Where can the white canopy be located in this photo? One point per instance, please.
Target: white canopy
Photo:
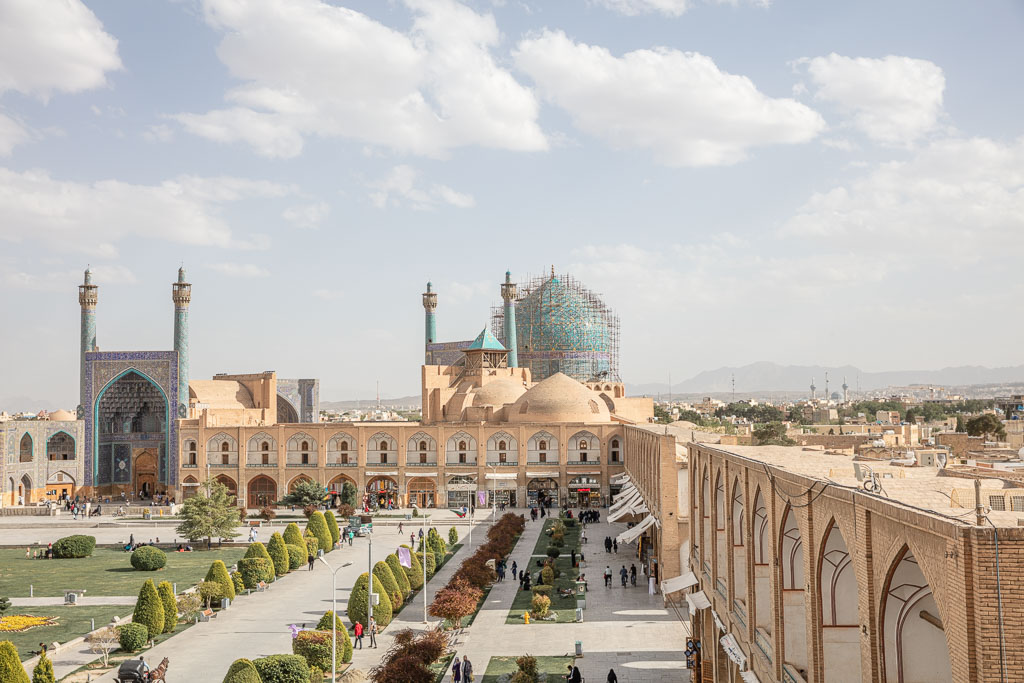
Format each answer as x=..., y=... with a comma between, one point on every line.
x=732, y=649
x=625, y=493
x=749, y=677
x=625, y=502
x=697, y=601
x=678, y=583
x=500, y=475
x=634, y=532
x=634, y=507
x=620, y=478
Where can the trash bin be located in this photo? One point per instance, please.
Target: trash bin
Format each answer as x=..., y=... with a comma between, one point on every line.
x=579, y=648
x=225, y=603
x=579, y=617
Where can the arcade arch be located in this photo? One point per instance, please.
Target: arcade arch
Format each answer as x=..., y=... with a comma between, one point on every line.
x=915, y=649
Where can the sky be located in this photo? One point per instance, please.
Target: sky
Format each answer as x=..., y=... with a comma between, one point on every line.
x=803, y=182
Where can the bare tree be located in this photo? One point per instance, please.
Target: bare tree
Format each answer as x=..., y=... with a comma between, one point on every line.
x=103, y=642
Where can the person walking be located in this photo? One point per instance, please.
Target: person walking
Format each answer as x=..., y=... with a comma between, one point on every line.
x=573, y=558
x=457, y=671
x=467, y=670
x=574, y=675
x=607, y=544
x=373, y=632
x=399, y=528
x=615, y=546
x=612, y=678
x=312, y=561
x=607, y=576
x=514, y=568
x=632, y=574
x=359, y=634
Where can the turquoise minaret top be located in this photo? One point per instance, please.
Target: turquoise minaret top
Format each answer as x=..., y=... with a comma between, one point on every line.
x=181, y=294
x=508, y=293
x=430, y=332
x=88, y=295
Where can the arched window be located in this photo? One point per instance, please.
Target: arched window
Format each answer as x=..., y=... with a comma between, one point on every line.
x=225, y=447
x=543, y=445
x=26, y=449
x=265, y=446
x=423, y=445
x=265, y=453
x=344, y=447
x=462, y=445
x=191, y=452
x=615, y=450
x=305, y=446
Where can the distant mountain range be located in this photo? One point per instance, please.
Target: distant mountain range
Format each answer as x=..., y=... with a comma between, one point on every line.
x=764, y=376
x=370, y=403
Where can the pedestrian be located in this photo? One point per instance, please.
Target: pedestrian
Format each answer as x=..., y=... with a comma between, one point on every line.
x=623, y=574
x=574, y=675
x=573, y=557
x=467, y=670
x=421, y=532
x=632, y=574
x=412, y=540
x=514, y=567
x=607, y=576
x=615, y=545
x=457, y=671
x=612, y=678
x=359, y=634
x=312, y=559
x=650, y=585
x=399, y=528
x=607, y=544
x=373, y=632
x=351, y=537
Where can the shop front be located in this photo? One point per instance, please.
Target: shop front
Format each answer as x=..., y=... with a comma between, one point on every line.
x=381, y=492
x=501, y=490
x=461, y=490
x=584, y=492
x=422, y=492
x=542, y=491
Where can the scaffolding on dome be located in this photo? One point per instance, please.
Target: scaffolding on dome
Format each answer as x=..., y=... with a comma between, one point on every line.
x=561, y=326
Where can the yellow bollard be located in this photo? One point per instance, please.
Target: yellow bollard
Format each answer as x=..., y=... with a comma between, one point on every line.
x=526, y=617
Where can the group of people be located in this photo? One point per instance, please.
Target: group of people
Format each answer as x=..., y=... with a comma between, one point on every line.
x=371, y=631
x=611, y=544
x=462, y=670
x=131, y=545
x=590, y=516
x=624, y=575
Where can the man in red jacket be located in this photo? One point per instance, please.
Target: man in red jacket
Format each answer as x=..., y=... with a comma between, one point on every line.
x=359, y=634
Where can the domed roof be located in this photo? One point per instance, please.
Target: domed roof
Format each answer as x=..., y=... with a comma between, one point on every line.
x=62, y=416
x=559, y=398
x=499, y=392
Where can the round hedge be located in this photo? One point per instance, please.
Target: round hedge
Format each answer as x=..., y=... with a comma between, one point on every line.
x=292, y=534
x=254, y=570
x=278, y=554
x=383, y=572
x=149, y=559
x=218, y=573
x=74, y=546
x=132, y=637
x=357, y=602
x=257, y=549
x=344, y=642
x=298, y=555
x=242, y=671
x=282, y=669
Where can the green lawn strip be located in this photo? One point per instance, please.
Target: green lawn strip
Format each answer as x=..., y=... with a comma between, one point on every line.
x=552, y=666
x=106, y=572
x=441, y=667
x=572, y=539
x=72, y=622
x=96, y=668
x=564, y=608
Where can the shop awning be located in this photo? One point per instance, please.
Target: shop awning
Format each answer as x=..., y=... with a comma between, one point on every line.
x=732, y=649
x=749, y=677
x=634, y=532
x=622, y=500
x=500, y=475
x=626, y=491
x=382, y=474
x=678, y=583
x=637, y=508
x=547, y=475
x=620, y=478
x=410, y=477
x=697, y=601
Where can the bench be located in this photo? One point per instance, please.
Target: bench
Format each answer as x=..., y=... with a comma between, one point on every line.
x=71, y=596
x=262, y=586
x=255, y=523
x=207, y=614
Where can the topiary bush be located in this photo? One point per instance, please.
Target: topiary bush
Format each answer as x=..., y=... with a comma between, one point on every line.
x=236, y=580
x=344, y=642
x=254, y=570
x=553, y=552
x=282, y=669
x=315, y=648
x=292, y=534
x=10, y=664
x=317, y=526
x=547, y=575
x=453, y=536
x=131, y=637
x=149, y=609
x=398, y=571
x=539, y=606
x=415, y=572
x=357, y=602
x=166, y=592
x=74, y=546
x=312, y=544
x=541, y=589
x=242, y=671
x=298, y=555
x=218, y=573
x=149, y=559
x=383, y=572
x=332, y=526
x=43, y=671
x=430, y=562
x=278, y=554
x=257, y=549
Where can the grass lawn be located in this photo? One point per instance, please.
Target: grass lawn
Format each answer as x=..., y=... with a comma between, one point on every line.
x=572, y=538
x=442, y=667
x=107, y=572
x=552, y=666
x=564, y=609
x=95, y=668
x=72, y=622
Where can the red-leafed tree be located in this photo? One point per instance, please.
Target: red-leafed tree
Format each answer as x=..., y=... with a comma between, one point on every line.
x=455, y=602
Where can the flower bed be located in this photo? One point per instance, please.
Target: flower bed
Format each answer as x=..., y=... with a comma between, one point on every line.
x=23, y=622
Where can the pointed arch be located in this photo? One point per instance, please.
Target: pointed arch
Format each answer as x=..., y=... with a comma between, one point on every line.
x=61, y=446
x=222, y=449
x=460, y=449
x=342, y=449
x=502, y=449
x=838, y=607
x=26, y=489
x=301, y=450
x=110, y=419
x=584, y=447
x=261, y=449
x=421, y=449
x=381, y=449
x=762, y=536
x=794, y=615
x=229, y=484
x=542, y=447
x=262, y=491
x=26, y=448
x=737, y=528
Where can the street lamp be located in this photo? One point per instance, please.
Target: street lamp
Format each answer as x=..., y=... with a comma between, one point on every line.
x=334, y=614
x=494, y=484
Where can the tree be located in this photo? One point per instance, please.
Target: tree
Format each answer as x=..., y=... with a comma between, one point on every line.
x=961, y=425
x=772, y=434
x=661, y=415
x=166, y=591
x=382, y=571
x=293, y=535
x=317, y=526
x=210, y=591
x=5, y=604
x=453, y=536
x=103, y=642
x=399, y=573
x=357, y=602
x=242, y=671
x=149, y=610
x=455, y=602
x=332, y=526
x=10, y=664
x=349, y=494
x=189, y=605
x=986, y=425
x=278, y=552
x=409, y=658
x=415, y=572
x=43, y=672
x=219, y=573
x=344, y=642
x=306, y=492
x=209, y=513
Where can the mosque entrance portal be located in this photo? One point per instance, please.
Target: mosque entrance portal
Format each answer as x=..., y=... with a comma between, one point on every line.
x=145, y=472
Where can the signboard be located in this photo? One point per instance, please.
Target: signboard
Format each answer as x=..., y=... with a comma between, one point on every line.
x=461, y=487
x=732, y=649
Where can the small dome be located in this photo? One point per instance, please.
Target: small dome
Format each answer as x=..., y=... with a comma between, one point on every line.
x=498, y=393
x=559, y=398
x=62, y=416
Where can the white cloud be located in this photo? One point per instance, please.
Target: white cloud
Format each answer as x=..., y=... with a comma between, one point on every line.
x=893, y=100
x=160, y=132
x=53, y=45
x=11, y=133
x=678, y=105
x=92, y=218
x=241, y=270
x=671, y=8
x=307, y=215
x=62, y=281
x=955, y=202
x=328, y=294
x=401, y=187
x=313, y=69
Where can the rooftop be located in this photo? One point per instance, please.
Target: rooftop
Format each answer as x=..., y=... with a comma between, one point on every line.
x=486, y=341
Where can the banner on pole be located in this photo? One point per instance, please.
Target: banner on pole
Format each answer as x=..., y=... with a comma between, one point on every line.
x=481, y=497
x=404, y=557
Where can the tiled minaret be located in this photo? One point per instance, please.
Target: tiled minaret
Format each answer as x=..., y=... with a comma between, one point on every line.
x=181, y=293
x=429, y=306
x=508, y=294
x=88, y=295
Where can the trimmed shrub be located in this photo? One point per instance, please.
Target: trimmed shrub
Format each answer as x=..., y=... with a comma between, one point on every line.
x=357, y=602
x=236, y=580
x=570, y=523
x=210, y=591
x=298, y=555
x=278, y=554
x=317, y=526
x=312, y=544
x=149, y=610
x=429, y=559
x=292, y=534
x=219, y=574
x=315, y=647
x=415, y=572
x=344, y=642
x=547, y=575
x=383, y=572
x=43, y=671
x=316, y=675
x=242, y=671
x=553, y=552
x=399, y=573
x=74, y=546
x=282, y=669
x=166, y=592
x=453, y=536
x=541, y=589
x=257, y=549
x=540, y=605
x=254, y=570
x=10, y=664
x=148, y=559
x=132, y=637
x=332, y=526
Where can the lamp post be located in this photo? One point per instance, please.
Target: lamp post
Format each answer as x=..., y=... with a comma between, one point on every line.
x=334, y=614
x=423, y=529
x=494, y=484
